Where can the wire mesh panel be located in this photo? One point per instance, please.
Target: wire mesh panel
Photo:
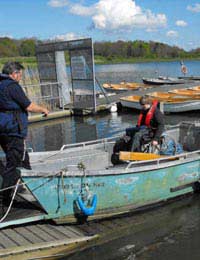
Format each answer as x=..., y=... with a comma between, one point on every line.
x=82, y=73
x=81, y=65
x=51, y=100
x=47, y=66
x=47, y=72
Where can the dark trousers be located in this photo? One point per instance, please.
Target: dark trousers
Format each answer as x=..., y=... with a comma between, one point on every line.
x=132, y=131
x=16, y=156
x=143, y=136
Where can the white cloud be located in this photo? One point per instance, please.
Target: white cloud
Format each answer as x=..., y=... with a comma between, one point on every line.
x=115, y=15
x=195, y=8
x=58, y=3
x=68, y=37
x=172, y=34
x=181, y=23
x=81, y=10
x=193, y=45
x=6, y=35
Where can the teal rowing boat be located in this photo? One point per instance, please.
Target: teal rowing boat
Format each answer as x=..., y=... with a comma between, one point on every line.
x=79, y=181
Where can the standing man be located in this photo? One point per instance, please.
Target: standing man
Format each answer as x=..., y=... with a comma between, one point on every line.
x=14, y=108
x=150, y=124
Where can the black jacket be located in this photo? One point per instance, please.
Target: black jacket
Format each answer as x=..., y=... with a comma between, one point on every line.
x=157, y=123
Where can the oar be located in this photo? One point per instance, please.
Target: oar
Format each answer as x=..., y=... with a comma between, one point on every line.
x=134, y=156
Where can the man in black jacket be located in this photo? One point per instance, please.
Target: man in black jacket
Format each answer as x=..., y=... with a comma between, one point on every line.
x=150, y=124
x=14, y=108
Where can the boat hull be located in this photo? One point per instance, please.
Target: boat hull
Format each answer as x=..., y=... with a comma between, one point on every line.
x=166, y=107
x=116, y=192
x=158, y=81
x=190, y=77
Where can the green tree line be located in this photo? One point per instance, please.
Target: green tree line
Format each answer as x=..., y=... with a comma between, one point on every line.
x=106, y=50
x=142, y=49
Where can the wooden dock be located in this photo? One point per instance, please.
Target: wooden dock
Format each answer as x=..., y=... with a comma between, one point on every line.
x=45, y=240
x=39, y=241
x=53, y=115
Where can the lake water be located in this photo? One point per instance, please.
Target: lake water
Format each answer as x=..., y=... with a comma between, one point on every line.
x=135, y=72
x=183, y=244
x=52, y=135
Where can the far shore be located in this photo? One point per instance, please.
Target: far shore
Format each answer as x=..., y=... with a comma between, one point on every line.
x=31, y=62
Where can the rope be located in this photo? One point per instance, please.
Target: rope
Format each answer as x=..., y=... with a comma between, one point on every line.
x=63, y=187
x=24, y=183
x=11, y=202
x=86, y=193
x=15, y=187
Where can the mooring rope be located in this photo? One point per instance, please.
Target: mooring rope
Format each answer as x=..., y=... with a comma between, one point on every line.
x=11, y=202
x=16, y=186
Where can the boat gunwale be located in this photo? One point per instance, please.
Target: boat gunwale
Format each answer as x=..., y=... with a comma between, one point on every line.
x=158, y=163
x=163, y=101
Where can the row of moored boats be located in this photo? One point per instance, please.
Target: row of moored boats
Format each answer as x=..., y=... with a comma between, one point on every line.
x=172, y=101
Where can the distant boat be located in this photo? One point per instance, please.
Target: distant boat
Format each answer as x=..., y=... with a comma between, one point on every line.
x=195, y=88
x=123, y=86
x=174, y=95
x=162, y=81
x=186, y=92
x=132, y=85
x=168, y=102
x=114, y=87
x=190, y=77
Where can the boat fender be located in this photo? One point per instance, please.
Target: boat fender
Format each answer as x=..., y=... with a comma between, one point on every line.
x=88, y=211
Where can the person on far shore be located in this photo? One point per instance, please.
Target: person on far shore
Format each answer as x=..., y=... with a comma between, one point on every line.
x=14, y=108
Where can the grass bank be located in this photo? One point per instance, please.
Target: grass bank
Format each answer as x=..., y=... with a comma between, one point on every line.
x=31, y=62
x=26, y=61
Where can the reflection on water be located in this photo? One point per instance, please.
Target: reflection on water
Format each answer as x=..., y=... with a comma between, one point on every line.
x=51, y=135
x=170, y=232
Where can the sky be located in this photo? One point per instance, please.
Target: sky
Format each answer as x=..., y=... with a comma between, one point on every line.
x=174, y=22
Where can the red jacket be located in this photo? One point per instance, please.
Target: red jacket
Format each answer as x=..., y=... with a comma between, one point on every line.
x=149, y=115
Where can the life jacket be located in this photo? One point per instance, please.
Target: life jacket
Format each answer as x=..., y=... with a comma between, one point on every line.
x=149, y=115
x=13, y=119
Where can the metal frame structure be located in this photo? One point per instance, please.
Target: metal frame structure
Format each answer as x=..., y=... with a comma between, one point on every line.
x=50, y=65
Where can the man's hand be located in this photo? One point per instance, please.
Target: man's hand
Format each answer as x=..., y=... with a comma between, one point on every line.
x=45, y=112
x=154, y=143
x=37, y=109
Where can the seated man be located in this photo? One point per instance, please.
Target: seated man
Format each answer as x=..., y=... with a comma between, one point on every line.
x=150, y=125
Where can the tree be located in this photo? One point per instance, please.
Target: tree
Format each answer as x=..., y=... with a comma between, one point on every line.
x=27, y=47
x=8, y=47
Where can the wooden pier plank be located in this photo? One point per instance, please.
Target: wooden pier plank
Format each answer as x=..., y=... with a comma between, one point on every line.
x=36, y=230
x=29, y=235
x=52, y=232
x=67, y=232
x=74, y=230
x=6, y=242
x=15, y=236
